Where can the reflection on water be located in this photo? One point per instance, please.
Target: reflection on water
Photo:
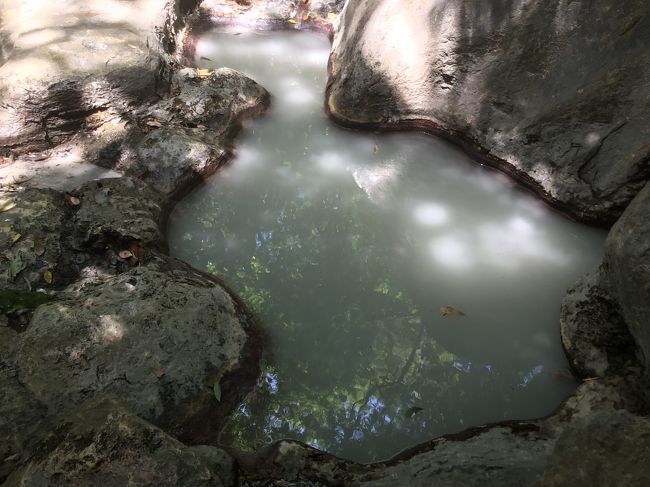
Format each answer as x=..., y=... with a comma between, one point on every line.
x=347, y=244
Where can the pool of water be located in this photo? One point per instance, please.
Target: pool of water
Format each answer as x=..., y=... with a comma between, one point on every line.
x=347, y=244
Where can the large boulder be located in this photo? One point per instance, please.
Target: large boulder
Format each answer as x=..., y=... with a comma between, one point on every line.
x=553, y=92
x=627, y=261
x=103, y=443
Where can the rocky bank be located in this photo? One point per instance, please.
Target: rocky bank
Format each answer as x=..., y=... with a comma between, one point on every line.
x=108, y=372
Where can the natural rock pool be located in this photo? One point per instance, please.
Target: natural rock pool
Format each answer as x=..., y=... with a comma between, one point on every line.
x=347, y=245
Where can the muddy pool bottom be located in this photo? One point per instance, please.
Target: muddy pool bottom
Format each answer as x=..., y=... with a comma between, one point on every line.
x=348, y=244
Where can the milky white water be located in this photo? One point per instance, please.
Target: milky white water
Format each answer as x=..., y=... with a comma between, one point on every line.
x=346, y=244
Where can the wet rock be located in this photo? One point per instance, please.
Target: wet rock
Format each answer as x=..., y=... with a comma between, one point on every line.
x=627, y=261
x=157, y=336
x=559, y=103
x=594, y=333
x=605, y=449
x=103, y=443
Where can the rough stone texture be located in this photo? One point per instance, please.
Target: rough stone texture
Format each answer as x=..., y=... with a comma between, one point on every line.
x=30, y=235
x=557, y=90
x=199, y=124
x=627, y=260
x=158, y=336
x=608, y=449
x=103, y=443
x=594, y=334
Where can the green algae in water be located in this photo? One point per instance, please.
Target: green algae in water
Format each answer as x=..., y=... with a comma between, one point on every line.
x=347, y=244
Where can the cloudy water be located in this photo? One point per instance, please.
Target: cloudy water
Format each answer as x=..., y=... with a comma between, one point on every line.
x=347, y=244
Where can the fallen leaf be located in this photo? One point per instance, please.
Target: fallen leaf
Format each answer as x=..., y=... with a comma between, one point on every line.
x=158, y=371
x=125, y=254
x=331, y=16
x=589, y=379
x=292, y=21
x=73, y=200
x=39, y=247
x=48, y=277
x=6, y=204
x=412, y=411
x=204, y=73
x=305, y=17
x=16, y=265
x=217, y=391
x=375, y=148
x=153, y=123
x=15, y=238
x=137, y=250
x=450, y=311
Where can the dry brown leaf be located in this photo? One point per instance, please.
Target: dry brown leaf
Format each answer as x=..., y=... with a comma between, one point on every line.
x=6, y=204
x=306, y=17
x=73, y=200
x=125, y=254
x=39, y=247
x=137, y=250
x=158, y=371
x=48, y=277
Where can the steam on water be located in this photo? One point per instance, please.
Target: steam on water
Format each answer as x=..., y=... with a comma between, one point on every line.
x=347, y=244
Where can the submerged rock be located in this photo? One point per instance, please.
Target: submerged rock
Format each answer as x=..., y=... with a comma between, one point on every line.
x=559, y=102
x=103, y=443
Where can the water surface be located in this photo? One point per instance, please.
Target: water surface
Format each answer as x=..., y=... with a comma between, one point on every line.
x=347, y=244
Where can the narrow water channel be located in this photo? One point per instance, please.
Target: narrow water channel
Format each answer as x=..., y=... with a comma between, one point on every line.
x=347, y=245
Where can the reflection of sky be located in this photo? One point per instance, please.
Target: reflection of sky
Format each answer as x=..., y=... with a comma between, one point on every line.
x=348, y=243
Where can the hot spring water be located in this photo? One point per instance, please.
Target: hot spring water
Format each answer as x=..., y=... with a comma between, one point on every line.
x=347, y=245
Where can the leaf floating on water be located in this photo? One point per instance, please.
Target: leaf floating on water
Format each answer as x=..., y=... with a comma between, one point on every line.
x=450, y=311
x=125, y=254
x=217, y=391
x=292, y=21
x=204, y=73
x=412, y=411
x=48, y=277
x=6, y=204
x=16, y=265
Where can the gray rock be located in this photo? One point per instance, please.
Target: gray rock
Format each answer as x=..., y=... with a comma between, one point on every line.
x=117, y=210
x=198, y=125
x=627, y=261
x=559, y=102
x=605, y=449
x=30, y=240
x=158, y=337
x=594, y=334
x=103, y=443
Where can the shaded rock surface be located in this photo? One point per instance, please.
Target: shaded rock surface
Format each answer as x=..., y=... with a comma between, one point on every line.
x=103, y=443
x=627, y=260
x=559, y=102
